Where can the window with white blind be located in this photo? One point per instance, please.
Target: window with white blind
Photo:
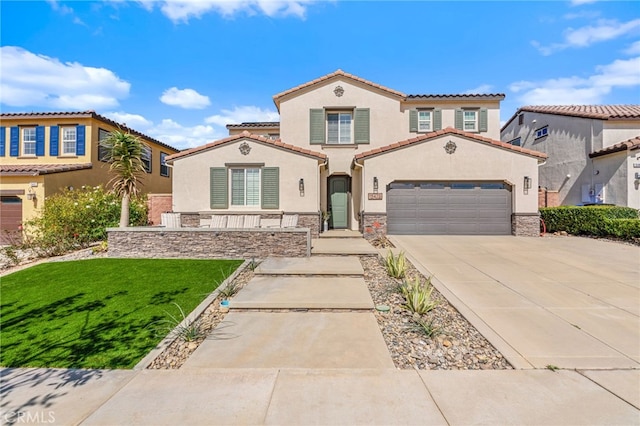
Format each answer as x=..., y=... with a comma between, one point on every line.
x=69, y=140
x=424, y=121
x=470, y=121
x=339, y=127
x=245, y=187
x=29, y=141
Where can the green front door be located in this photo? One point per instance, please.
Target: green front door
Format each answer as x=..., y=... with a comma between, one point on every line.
x=338, y=190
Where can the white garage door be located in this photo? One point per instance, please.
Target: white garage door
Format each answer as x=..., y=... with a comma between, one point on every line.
x=449, y=208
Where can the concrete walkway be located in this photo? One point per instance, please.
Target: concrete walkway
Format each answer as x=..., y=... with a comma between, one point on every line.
x=263, y=367
x=569, y=302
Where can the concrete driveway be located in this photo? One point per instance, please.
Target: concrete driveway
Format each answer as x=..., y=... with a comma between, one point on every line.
x=569, y=302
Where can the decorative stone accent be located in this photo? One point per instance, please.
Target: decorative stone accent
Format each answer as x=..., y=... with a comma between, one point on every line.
x=373, y=225
x=244, y=148
x=206, y=243
x=338, y=91
x=525, y=224
x=450, y=147
x=311, y=221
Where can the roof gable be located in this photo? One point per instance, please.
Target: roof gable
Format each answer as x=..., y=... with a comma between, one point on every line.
x=246, y=135
x=448, y=131
x=600, y=112
x=331, y=77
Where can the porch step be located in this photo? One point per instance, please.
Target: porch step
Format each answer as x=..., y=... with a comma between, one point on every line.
x=352, y=246
x=266, y=292
x=325, y=265
x=341, y=233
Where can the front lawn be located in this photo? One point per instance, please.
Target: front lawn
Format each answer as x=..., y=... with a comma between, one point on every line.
x=98, y=313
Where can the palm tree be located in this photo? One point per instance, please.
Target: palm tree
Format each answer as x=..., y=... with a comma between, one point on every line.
x=126, y=153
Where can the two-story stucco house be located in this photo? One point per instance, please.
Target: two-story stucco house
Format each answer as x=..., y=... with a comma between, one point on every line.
x=378, y=160
x=43, y=152
x=593, y=150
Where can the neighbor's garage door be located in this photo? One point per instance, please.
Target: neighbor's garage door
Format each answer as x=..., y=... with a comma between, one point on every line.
x=10, y=220
x=449, y=208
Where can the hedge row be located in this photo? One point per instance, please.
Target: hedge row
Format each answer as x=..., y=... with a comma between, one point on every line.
x=621, y=222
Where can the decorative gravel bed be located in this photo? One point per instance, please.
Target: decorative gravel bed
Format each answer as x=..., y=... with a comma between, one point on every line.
x=458, y=346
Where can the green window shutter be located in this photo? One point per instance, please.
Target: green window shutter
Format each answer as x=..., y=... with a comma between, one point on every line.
x=437, y=119
x=413, y=120
x=218, y=188
x=483, y=120
x=270, y=187
x=459, y=119
x=361, y=125
x=316, y=126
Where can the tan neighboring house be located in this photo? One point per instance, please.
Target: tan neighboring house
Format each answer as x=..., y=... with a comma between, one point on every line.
x=593, y=150
x=380, y=161
x=42, y=153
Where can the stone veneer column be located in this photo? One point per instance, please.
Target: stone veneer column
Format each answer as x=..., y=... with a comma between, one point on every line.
x=525, y=224
x=373, y=225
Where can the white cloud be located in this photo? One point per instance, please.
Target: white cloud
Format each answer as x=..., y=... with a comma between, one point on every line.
x=181, y=137
x=134, y=121
x=482, y=89
x=242, y=114
x=62, y=8
x=183, y=10
x=633, y=49
x=581, y=2
x=578, y=90
x=185, y=98
x=585, y=36
x=29, y=79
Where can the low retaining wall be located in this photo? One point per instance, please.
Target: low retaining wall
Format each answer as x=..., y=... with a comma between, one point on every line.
x=305, y=220
x=208, y=243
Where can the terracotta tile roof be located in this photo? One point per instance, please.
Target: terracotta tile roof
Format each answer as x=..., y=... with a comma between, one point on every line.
x=338, y=73
x=633, y=143
x=246, y=135
x=82, y=114
x=40, y=169
x=258, y=124
x=475, y=96
x=602, y=112
x=449, y=131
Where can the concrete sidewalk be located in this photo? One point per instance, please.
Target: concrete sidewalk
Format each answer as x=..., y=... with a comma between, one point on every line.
x=319, y=396
x=569, y=302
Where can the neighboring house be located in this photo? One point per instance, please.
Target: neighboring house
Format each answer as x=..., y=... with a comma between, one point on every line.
x=593, y=154
x=268, y=129
x=42, y=153
x=379, y=160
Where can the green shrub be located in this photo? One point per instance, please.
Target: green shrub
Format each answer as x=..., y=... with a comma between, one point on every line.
x=418, y=295
x=588, y=220
x=624, y=228
x=75, y=218
x=396, y=265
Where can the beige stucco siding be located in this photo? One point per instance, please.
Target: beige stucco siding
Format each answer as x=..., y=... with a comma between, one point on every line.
x=471, y=161
x=619, y=131
x=191, y=176
x=617, y=174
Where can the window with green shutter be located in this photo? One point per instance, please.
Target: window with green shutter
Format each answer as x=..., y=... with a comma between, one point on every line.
x=270, y=188
x=459, y=119
x=316, y=128
x=361, y=125
x=437, y=119
x=483, y=121
x=218, y=188
x=413, y=120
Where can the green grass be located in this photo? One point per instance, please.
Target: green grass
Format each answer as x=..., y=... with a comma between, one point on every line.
x=97, y=313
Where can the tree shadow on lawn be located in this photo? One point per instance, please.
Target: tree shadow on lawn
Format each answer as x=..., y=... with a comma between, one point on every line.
x=102, y=338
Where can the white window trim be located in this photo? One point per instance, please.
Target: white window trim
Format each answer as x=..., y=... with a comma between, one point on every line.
x=245, y=206
x=75, y=140
x=544, y=129
x=429, y=121
x=24, y=143
x=351, y=127
x=465, y=121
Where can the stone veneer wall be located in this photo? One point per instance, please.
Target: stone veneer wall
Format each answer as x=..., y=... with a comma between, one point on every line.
x=208, y=243
x=311, y=221
x=158, y=204
x=373, y=225
x=525, y=224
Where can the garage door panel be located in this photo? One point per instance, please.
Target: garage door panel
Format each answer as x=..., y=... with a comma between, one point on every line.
x=462, y=208
x=10, y=220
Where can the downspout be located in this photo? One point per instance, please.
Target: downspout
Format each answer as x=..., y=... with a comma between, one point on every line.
x=362, y=183
x=326, y=161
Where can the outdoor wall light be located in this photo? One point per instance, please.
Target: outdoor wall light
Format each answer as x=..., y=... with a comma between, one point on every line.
x=527, y=184
x=301, y=187
x=31, y=195
x=375, y=184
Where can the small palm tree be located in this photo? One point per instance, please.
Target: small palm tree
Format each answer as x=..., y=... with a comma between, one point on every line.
x=126, y=153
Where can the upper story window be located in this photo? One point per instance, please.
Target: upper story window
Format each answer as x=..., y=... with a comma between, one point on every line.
x=424, y=121
x=542, y=132
x=29, y=141
x=69, y=140
x=521, y=119
x=103, y=155
x=245, y=187
x=164, y=169
x=339, y=128
x=334, y=127
x=470, y=122
x=146, y=158
x=515, y=142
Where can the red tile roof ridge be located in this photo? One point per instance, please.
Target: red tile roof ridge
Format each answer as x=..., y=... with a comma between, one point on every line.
x=629, y=144
x=246, y=135
x=41, y=169
x=448, y=131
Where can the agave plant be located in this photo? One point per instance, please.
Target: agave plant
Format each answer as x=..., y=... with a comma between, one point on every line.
x=418, y=295
x=396, y=265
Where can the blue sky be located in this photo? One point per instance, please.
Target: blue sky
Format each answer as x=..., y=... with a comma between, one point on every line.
x=180, y=70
